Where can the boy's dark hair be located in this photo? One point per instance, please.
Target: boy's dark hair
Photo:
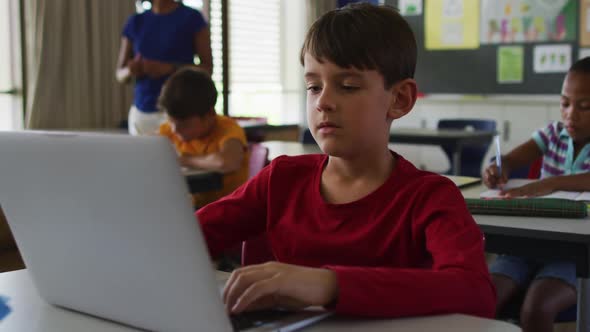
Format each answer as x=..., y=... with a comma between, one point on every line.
x=366, y=37
x=188, y=92
x=581, y=66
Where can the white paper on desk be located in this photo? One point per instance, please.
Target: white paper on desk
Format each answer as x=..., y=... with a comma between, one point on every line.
x=515, y=183
x=585, y=196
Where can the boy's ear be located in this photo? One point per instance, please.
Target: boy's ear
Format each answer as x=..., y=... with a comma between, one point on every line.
x=404, y=97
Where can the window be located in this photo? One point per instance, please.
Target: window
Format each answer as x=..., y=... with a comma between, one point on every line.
x=265, y=76
x=264, y=72
x=11, y=116
x=265, y=37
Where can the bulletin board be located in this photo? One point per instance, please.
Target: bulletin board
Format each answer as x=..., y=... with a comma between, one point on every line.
x=496, y=46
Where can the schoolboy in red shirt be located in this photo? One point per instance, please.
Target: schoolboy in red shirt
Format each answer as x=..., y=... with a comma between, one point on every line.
x=359, y=229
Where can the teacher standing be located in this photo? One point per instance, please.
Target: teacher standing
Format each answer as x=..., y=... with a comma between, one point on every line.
x=153, y=45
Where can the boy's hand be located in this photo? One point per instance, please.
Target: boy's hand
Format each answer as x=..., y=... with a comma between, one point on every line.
x=537, y=188
x=276, y=284
x=492, y=178
x=156, y=69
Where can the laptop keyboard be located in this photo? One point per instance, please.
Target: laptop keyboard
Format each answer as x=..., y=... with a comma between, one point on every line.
x=248, y=320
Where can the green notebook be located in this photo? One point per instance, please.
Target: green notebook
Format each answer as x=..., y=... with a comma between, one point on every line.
x=528, y=207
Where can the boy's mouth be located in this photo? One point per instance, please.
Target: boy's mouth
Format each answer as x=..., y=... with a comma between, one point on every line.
x=327, y=124
x=327, y=127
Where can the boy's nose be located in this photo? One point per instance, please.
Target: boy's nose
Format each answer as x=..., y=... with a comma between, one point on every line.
x=325, y=101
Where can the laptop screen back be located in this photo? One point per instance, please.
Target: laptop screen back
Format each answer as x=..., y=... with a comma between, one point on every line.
x=105, y=226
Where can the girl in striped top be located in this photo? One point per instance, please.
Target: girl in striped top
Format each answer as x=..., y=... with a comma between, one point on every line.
x=550, y=287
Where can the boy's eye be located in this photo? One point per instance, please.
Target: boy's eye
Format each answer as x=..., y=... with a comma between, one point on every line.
x=565, y=104
x=313, y=88
x=349, y=87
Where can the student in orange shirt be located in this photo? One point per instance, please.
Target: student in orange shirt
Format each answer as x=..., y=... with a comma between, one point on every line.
x=202, y=138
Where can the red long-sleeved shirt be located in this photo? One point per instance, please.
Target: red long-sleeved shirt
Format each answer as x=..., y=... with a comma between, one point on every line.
x=409, y=248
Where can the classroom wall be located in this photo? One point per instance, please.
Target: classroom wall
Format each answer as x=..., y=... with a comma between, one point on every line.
x=516, y=117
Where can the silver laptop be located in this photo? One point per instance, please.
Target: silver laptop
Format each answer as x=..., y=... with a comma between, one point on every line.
x=105, y=226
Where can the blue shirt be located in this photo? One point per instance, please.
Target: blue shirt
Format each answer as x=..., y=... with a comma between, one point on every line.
x=163, y=37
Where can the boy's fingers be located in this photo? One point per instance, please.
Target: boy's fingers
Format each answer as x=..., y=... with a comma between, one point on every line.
x=232, y=279
x=254, y=292
x=234, y=289
x=242, y=282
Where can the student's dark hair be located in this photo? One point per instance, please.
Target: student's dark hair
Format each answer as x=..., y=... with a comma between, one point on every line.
x=188, y=92
x=366, y=37
x=581, y=66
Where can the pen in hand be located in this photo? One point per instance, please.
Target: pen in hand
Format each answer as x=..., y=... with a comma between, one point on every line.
x=499, y=161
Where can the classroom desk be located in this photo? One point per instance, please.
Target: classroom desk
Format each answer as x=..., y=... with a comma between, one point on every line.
x=542, y=238
x=257, y=131
x=278, y=148
x=30, y=313
x=199, y=180
x=455, y=139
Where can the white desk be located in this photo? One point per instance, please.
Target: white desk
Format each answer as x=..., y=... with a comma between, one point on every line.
x=31, y=314
x=536, y=237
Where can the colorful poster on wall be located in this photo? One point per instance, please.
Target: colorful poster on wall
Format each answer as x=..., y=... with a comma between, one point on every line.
x=510, y=64
x=584, y=23
x=410, y=7
x=451, y=24
x=552, y=58
x=528, y=21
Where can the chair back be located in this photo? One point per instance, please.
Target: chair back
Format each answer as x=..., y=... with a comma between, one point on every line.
x=256, y=250
x=258, y=158
x=535, y=169
x=472, y=155
x=306, y=137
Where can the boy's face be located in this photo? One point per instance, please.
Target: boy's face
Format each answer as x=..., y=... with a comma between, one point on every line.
x=575, y=106
x=191, y=128
x=347, y=109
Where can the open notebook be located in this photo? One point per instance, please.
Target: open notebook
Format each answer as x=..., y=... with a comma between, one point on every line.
x=514, y=183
